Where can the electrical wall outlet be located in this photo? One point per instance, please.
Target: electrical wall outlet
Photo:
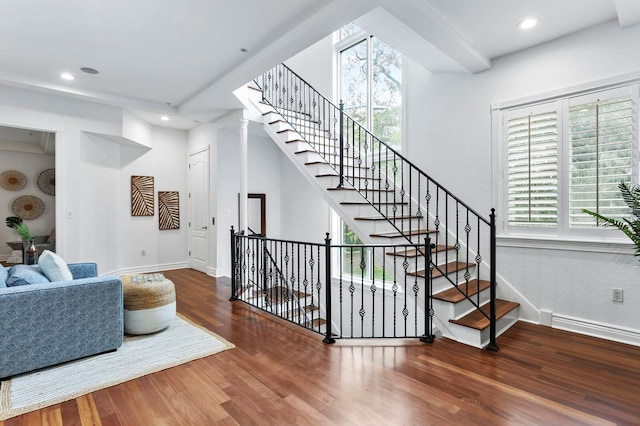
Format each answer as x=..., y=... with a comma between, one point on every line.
x=617, y=295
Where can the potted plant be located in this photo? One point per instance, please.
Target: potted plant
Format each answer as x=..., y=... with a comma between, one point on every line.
x=631, y=227
x=16, y=223
x=22, y=230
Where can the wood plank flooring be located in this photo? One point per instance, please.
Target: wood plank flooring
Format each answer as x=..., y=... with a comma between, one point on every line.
x=279, y=374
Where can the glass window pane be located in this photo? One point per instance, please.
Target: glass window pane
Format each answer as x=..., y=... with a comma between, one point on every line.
x=600, y=157
x=387, y=93
x=354, y=70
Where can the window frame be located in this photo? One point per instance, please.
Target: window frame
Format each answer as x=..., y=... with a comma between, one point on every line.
x=519, y=235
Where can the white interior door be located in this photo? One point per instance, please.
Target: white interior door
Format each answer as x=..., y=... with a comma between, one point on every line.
x=199, y=225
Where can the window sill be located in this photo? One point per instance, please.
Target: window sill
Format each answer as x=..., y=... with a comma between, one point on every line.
x=620, y=246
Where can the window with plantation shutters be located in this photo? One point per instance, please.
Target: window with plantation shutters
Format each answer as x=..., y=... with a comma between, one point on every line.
x=532, y=151
x=600, y=157
x=566, y=154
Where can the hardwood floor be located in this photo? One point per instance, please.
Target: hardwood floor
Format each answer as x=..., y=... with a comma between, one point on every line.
x=280, y=374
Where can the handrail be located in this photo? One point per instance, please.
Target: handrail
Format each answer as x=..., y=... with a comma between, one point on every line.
x=352, y=290
x=401, y=193
x=487, y=221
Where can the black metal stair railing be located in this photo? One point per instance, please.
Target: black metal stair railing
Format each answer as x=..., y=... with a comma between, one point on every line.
x=410, y=200
x=359, y=298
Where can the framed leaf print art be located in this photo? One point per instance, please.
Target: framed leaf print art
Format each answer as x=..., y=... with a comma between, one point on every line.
x=142, y=196
x=169, y=209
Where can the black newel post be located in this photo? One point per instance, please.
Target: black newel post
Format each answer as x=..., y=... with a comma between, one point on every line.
x=493, y=345
x=341, y=184
x=428, y=302
x=234, y=292
x=327, y=286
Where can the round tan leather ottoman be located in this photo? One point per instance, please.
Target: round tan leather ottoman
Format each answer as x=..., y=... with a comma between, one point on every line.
x=149, y=306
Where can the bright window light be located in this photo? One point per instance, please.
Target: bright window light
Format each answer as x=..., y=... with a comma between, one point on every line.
x=164, y=118
x=66, y=76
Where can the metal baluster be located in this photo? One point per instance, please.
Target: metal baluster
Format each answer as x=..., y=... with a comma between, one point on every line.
x=493, y=345
x=327, y=300
x=428, y=294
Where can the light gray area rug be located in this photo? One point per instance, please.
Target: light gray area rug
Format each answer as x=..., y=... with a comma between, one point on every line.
x=138, y=356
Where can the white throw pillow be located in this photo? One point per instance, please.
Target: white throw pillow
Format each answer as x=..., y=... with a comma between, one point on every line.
x=53, y=267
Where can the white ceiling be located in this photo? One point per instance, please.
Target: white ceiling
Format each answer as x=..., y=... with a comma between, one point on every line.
x=184, y=58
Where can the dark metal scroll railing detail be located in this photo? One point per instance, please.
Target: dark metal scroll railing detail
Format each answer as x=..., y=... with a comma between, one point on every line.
x=361, y=299
x=411, y=201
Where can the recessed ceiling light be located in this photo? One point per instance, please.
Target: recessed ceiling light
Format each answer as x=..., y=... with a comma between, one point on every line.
x=66, y=76
x=164, y=118
x=528, y=23
x=243, y=49
x=89, y=70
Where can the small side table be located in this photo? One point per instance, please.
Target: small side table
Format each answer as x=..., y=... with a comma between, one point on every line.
x=149, y=306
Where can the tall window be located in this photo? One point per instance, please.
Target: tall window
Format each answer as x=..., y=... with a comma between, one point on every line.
x=370, y=75
x=567, y=155
x=371, y=84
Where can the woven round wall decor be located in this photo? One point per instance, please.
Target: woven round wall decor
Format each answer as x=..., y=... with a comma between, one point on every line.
x=47, y=181
x=13, y=180
x=27, y=207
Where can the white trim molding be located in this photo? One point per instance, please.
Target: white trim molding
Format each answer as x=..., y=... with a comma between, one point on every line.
x=596, y=329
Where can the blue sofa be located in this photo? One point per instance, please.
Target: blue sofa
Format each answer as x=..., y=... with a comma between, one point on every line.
x=54, y=322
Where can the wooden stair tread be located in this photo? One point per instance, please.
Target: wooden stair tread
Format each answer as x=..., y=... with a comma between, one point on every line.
x=317, y=322
x=453, y=295
x=313, y=151
x=418, y=253
x=290, y=112
x=347, y=177
x=406, y=233
x=282, y=293
x=346, y=166
x=449, y=267
x=356, y=203
x=347, y=188
x=405, y=217
x=297, y=311
x=478, y=321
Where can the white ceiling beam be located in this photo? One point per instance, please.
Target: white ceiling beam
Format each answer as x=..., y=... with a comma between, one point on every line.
x=430, y=24
x=404, y=39
x=628, y=12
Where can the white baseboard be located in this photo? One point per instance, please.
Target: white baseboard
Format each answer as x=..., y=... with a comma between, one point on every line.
x=595, y=329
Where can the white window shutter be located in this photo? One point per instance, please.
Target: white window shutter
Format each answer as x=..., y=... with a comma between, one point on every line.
x=532, y=177
x=600, y=156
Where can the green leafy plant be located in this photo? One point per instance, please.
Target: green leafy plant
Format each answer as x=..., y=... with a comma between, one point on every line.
x=19, y=227
x=631, y=227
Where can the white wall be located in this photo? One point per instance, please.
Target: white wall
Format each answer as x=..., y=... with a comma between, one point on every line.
x=315, y=66
x=92, y=181
x=31, y=165
x=449, y=136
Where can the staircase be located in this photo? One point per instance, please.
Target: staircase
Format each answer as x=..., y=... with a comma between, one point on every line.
x=384, y=199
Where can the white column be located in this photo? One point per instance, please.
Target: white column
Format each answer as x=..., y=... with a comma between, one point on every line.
x=244, y=123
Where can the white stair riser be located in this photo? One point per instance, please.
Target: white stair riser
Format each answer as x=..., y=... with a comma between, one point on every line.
x=477, y=338
x=457, y=310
